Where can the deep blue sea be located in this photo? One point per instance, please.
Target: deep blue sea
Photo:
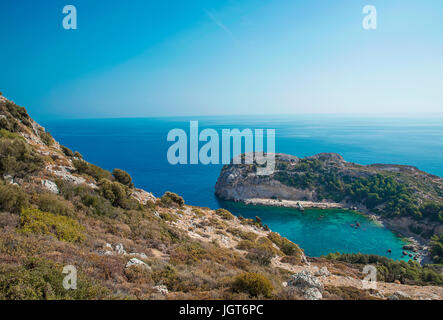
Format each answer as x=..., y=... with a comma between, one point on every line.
x=139, y=146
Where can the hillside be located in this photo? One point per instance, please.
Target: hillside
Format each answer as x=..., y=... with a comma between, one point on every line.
x=56, y=209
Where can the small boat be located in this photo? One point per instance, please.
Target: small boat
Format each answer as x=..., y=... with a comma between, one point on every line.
x=389, y=251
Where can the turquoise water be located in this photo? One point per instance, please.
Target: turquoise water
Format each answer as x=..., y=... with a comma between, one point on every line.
x=317, y=231
x=139, y=146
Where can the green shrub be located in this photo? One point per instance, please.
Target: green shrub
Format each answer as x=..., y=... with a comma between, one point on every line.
x=78, y=155
x=389, y=270
x=245, y=235
x=170, y=199
x=12, y=198
x=436, y=249
x=68, y=152
x=224, y=214
x=17, y=158
x=123, y=177
x=287, y=247
x=97, y=173
x=39, y=279
x=117, y=194
x=51, y=203
x=99, y=205
x=254, y=284
x=46, y=138
x=188, y=253
x=34, y=221
x=167, y=216
x=260, y=255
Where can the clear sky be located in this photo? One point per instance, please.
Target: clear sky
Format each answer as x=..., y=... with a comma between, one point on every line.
x=143, y=58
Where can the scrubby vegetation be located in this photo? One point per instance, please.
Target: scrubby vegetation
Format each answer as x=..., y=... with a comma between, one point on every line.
x=389, y=270
x=12, y=198
x=17, y=158
x=87, y=168
x=38, y=279
x=254, y=284
x=224, y=214
x=437, y=248
x=385, y=193
x=51, y=203
x=46, y=137
x=67, y=152
x=123, y=177
x=45, y=223
x=170, y=199
x=82, y=224
x=287, y=247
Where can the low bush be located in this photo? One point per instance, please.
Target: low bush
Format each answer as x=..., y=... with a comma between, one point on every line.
x=389, y=270
x=349, y=293
x=260, y=255
x=97, y=173
x=294, y=260
x=245, y=235
x=224, y=214
x=188, y=253
x=17, y=158
x=38, y=279
x=51, y=203
x=254, y=284
x=12, y=198
x=34, y=221
x=170, y=199
x=287, y=247
x=117, y=194
x=436, y=248
x=123, y=177
x=46, y=138
x=99, y=205
x=68, y=152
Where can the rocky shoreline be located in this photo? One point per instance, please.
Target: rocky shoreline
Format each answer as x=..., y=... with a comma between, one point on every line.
x=292, y=203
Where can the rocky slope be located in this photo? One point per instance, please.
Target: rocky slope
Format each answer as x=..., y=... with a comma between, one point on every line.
x=408, y=200
x=56, y=210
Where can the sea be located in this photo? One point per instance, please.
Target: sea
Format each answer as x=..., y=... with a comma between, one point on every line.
x=140, y=146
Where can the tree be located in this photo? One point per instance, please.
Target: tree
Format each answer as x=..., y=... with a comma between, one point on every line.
x=123, y=177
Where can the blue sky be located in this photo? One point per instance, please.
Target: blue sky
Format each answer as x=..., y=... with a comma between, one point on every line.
x=144, y=58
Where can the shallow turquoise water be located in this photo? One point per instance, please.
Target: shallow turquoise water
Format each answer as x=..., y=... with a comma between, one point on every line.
x=318, y=231
x=139, y=146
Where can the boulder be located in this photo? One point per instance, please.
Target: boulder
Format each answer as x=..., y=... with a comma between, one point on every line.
x=161, y=289
x=138, y=263
x=305, y=280
x=312, y=294
x=401, y=295
x=120, y=249
x=323, y=272
x=50, y=186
